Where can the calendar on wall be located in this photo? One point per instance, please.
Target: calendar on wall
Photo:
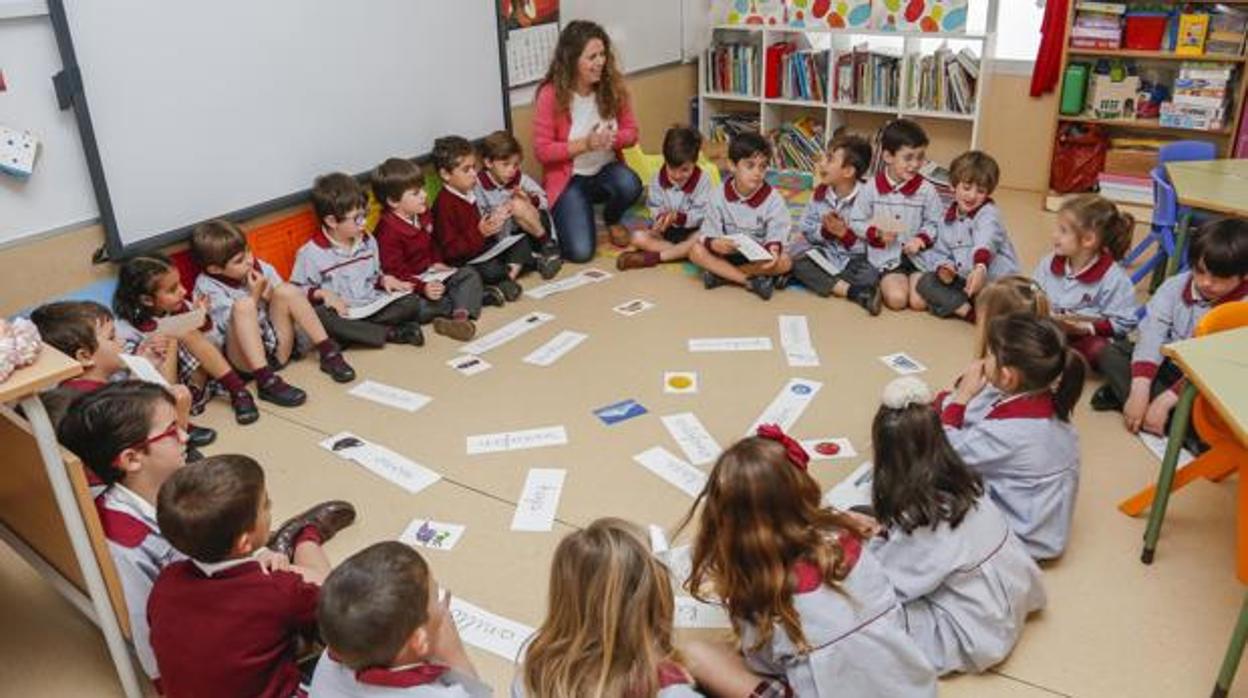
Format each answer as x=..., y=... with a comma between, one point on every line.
x=532, y=32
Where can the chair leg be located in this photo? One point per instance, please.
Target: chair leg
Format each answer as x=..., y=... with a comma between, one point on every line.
x=1165, y=478
x=1230, y=662
x=1180, y=243
x=1211, y=465
x=1147, y=267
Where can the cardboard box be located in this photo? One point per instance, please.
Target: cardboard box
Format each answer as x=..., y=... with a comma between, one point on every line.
x=1130, y=161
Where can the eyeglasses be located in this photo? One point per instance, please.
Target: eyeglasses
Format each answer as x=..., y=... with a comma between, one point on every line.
x=173, y=430
x=359, y=219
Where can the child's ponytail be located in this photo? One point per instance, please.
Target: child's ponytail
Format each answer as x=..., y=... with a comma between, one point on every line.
x=1099, y=216
x=1070, y=385
x=1117, y=235
x=1036, y=348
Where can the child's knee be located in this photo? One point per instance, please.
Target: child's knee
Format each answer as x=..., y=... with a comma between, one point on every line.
x=245, y=307
x=917, y=302
x=288, y=292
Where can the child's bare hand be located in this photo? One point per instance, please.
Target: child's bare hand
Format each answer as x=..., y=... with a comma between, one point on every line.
x=1135, y=408
x=663, y=221
x=834, y=224
x=723, y=246
x=888, y=236
x=976, y=280
x=913, y=246
x=434, y=290
x=439, y=266
x=862, y=525
x=272, y=561
x=257, y=285
x=1074, y=328
x=1158, y=412
x=972, y=381
x=490, y=225
x=394, y=285
x=946, y=274
x=333, y=301
x=202, y=303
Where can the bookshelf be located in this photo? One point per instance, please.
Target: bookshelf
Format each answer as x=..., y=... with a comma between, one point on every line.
x=1162, y=66
x=831, y=110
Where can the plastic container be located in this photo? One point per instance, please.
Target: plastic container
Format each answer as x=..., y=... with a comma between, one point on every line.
x=1145, y=31
x=1074, y=87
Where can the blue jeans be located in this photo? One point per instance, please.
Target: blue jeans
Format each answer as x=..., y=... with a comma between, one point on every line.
x=615, y=185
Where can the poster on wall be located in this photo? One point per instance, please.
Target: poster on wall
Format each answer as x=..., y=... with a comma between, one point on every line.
x=911, y=16
x=532, y=32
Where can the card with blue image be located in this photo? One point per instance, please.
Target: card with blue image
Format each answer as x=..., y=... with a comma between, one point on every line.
x=619, y=411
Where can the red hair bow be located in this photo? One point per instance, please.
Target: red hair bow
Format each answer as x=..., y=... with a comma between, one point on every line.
x=797, y=455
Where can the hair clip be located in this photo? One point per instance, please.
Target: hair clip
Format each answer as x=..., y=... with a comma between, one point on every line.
x=797, y=455
x=903, y=392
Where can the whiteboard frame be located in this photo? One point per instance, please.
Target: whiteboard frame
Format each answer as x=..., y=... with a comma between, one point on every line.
x=71, y=95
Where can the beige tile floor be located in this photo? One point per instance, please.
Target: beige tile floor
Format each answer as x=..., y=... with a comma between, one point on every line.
x=1113, y=626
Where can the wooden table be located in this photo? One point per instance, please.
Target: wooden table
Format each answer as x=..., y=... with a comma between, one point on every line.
x=23, y=387
x=1220, y=186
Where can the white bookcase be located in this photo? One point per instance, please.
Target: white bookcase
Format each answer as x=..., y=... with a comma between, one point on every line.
x=909, y=46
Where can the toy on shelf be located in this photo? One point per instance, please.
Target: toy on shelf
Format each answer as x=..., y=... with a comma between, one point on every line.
x=1113, y=90
x=1193, y=28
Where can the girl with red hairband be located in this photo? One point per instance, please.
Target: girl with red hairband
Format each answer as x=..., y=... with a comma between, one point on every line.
x=813, y=611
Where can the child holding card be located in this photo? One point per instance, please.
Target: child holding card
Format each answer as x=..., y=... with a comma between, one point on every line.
x=388, y=633
x=833, y=260
x=745, y=211
x=677, y=198
x=466, y=236
x=340, y=271
x=972, y=246
x=408, y=252
x=608, y=627
x=898, y=213
x=502, y=186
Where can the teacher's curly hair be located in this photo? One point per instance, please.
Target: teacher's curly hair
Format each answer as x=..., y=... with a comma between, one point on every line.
x=610, y=92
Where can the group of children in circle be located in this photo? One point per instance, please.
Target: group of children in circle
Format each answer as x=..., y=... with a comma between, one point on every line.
x=970, y=487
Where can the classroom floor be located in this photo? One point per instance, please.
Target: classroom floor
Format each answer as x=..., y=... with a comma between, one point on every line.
x=1113, y=627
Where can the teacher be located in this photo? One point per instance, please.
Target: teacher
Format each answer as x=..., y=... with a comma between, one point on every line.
x=581, y=121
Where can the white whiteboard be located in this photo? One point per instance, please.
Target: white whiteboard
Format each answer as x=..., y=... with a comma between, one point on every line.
x=647, y=33
x=200, y=109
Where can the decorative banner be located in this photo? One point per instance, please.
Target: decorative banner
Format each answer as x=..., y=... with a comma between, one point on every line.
x=920, y=15
x=947, y=16
x=837, y=14
x=762, y=12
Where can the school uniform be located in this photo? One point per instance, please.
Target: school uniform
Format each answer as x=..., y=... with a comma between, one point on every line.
x=915, y=204
x=856, y=635
x=965, y=591
x=491, y=194
x=764, y=216
x=672, y=683
x=230, y=628
x=688, y=201
x=1028, y=458
x=408, y=250
x=1102, y=290
x=132, y=335
x=354, y=274
x=1173, y=313
x=335, y=680
x=456, y=221
x=139, y=553
x=222, y=292
x=846, y=255
x=964, y=240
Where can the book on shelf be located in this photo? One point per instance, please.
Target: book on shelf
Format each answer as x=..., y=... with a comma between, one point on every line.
x=796, y=145
x=798, y=74
x=724, y=126
x=1201, y=97
x=1125, y=188
x=867, y=77
x=942, y=81
x=1107, y=8
x=730, y=69
x=1227, y=29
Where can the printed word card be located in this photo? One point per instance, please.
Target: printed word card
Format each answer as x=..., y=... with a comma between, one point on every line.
x=788, y=405
x=538, y=501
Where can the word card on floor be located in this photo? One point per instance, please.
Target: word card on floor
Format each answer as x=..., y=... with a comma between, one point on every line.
x=693, y=438
x=854, y=490
x=788, y=406
x=589, y=276
x=506, y=333
x=799, y=350
x=488, y=631
x=730, y=344
x=390, y=396
x=517, y=440
x=381, y=461
x=552, y=351
x=675, y=471
x=435, y=535
x=691, y=613
x=538, y=501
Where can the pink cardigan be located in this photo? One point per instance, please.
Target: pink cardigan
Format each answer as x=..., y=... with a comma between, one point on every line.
x=551, y=125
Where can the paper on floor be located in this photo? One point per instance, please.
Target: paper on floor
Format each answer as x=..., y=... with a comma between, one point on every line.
x=552, y=351
x=390, y=396
x=517, y=440
x=799, y=349
x=487, y=631
x=788, y=405
x=853, y=491
x=381, y=461
x=730, y=344
x=675, y=471
x=693, y=438
x=535, y=511
x=506, y=333
x=435, y=535
x=829, y=448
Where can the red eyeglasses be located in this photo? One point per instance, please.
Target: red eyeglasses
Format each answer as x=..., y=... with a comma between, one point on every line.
x=173, y=430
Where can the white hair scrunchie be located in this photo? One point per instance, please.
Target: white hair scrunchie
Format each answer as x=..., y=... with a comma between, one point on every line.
x=903, y=392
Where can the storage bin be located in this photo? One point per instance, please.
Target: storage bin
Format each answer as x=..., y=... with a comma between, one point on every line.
x=1074, y=86
x=1145, y=31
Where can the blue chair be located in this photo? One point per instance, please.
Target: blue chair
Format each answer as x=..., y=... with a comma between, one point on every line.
x=1167, y=214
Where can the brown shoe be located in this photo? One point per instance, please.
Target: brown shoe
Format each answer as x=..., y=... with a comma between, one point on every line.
x=619, y=235
x=327, y=517
x=459, y=330
x=636, y=259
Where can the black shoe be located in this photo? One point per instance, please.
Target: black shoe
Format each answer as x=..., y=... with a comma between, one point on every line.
x=192, y=454
x=710, y=281
x=244, y=406
x=337, y=368
x=781, y=282
x=511, y=290
x=869, y=297
x=493, y=295
x=548, y=266
x=1105, y=400
x=407, y=334
x=327, y=518
x=762, y=286
x=198, y=437
x=281, y=393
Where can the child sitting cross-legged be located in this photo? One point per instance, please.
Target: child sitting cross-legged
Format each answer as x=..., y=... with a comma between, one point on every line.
x=745, y=205
x=229, y=620
x=256, y=311
x=677, y=198
x=504, y=188
x=972, y=246
x=388, y=633
x=408, y=252
x=826, y=235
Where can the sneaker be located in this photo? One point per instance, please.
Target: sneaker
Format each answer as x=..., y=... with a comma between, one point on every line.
x=407, y=334
x=460, y=330
x=511, y=290
x=328, y=518
x=199, y=437
x=762, y=286
x=1105, y=400
x=244, y=406
x=493, y=295
x=636, y=259
x=869, y=298
x=711, y=281
x=619, y=235
x=337, y=368
x=548, y=266
x=281, y=393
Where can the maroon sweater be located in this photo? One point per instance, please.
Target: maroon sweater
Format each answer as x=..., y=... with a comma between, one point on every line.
x=455, y=228
x=406, y=250
x=231, y=634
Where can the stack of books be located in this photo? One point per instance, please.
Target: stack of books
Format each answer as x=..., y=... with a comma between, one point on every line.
x=1201, y=96
x=731, y=69
x=868, y=77
x=725, y=126
x=1126, y=189
x=1227, y=28
x=796, y=145
x=1097, y=25
x=805, y=76
x=943, y=81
